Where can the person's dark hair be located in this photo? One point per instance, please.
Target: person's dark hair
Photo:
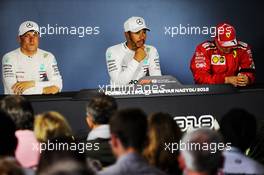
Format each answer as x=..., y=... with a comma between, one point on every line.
x=20, y=110
x=256, y=150
x=63, y=160
x=48, y=157
x=66, y=167
x=162, y=129
x=8, y=140
x=130, y=126
x=238, y=127
x=9, y=166
x=101, y=108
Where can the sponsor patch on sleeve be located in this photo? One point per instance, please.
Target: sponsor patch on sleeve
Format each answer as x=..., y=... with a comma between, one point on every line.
x=199, y=60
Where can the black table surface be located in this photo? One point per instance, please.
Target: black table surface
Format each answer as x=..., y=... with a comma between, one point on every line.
x=72, y=104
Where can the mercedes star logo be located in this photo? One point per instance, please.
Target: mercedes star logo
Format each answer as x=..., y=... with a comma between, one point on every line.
x=29, y=25
x=139, y=22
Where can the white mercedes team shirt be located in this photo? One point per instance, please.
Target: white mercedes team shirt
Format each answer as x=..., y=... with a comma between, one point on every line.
x=41, y=68
x=123, y=69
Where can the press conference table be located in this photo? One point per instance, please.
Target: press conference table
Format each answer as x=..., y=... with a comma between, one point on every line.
x=72, y=104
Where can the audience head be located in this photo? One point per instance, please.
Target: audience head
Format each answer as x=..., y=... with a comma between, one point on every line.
x=9, y=166
x=68, y=167
x=51, y=125
x=128, y=130
x=62, y=160
x=8, y=140
x=100, y=109
x=20, y=110
x=256, y=150
x=201, y=153
x=238, y=127
x=162, y=129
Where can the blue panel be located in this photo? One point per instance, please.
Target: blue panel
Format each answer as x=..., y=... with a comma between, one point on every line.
x=81, y=57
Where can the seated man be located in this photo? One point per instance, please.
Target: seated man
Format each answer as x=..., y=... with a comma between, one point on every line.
x=128, y=130
x=99, y=111
x=238, y=128
x=28, y=69
x=223, y=60
x=129, y=61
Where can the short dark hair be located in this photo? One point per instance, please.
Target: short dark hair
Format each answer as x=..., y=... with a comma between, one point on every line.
x=239, y=127
x=67, y=167
x=63, y=161
x=130, y=126
x=8, y=139
x=49, y=157
x=20, y=110
x=9, y=165
x=101, y=108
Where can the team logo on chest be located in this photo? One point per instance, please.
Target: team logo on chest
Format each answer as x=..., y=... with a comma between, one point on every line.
x=218, y=60
x=42, y=73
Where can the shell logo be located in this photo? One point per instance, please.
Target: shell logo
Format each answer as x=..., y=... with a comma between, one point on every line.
x=215, y=59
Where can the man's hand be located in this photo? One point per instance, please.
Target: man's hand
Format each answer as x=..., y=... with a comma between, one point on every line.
x=51, y=90
x=240, y=80
x=140, y=54
x=21, y=86
x=231, y=80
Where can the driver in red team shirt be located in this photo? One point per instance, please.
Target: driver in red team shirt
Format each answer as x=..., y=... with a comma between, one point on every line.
x=223, y=60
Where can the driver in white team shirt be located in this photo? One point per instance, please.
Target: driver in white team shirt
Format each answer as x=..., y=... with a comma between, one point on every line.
x=129, y=61
x=28, y=69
